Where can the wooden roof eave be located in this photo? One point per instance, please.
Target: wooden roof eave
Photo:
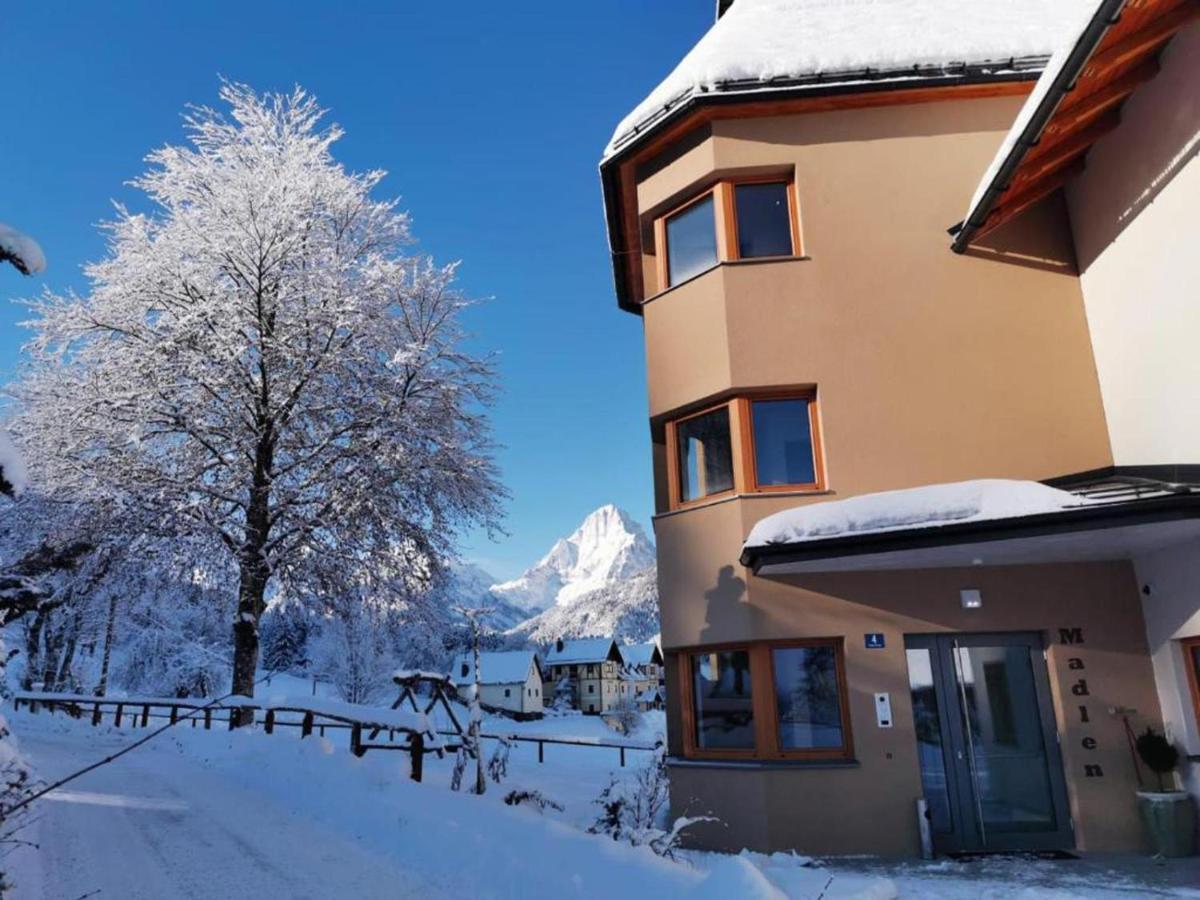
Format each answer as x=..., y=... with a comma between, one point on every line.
x=1114, y=56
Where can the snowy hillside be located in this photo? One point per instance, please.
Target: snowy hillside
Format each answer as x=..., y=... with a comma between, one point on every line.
x=626, y=609
x=609, y=547
x=471, y=586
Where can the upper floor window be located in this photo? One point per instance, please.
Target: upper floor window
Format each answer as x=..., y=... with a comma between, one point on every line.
x=748, y=444
x=732, y=220
x=705, y=455
x=691, y=240
x=763, y=220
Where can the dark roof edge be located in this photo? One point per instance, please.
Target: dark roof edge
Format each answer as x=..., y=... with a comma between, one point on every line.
x=1166, y=473
x=610, y=166
x=1103, y=19
x=1086, y=518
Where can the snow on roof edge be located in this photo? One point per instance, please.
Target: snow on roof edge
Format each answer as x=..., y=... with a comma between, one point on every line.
x=765, y=44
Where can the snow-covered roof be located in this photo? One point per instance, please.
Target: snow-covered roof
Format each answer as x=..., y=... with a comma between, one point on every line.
x=581, y=650
x=496, y=667
x=640, y=654
x=929, y=506
x=21, y=250
x=769, y=44
x=12, y=465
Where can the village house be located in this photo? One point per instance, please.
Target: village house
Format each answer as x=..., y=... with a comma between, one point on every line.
x=927, y=522
x=587, y=671
x=642, y=675
x=510, y=681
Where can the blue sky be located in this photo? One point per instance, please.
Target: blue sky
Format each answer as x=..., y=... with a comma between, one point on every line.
x=490, y=118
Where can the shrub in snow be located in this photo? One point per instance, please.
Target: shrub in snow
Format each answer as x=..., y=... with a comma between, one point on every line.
x=16, y=778
x=624, y=718
x=536, y=799
x=497, y=768
x=261, y=365
x=636, y=810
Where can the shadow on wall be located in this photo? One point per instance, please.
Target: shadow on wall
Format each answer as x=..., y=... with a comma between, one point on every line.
x=729, y=591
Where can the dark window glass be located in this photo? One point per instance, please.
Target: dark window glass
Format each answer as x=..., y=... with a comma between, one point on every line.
x=931, y=752
x=691, y=241
x=723, y=704
x=764, y=224
x=783, y=450
x=807, y=698
x=705, y=455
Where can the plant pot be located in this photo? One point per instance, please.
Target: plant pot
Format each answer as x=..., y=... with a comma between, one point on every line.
x=1170, y=820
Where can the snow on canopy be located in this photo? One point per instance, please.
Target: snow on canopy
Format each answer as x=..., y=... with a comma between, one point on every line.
x=498, y=667
x=840, y=41
x=12, y=465
x=1069, y=39
x=21, y=250
x=929, y=506
x=581, y=650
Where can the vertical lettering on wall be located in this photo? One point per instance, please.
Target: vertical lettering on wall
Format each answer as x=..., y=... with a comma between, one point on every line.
x=1072, y=636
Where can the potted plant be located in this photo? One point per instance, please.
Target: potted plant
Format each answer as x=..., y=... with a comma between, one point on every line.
x=1168, y=813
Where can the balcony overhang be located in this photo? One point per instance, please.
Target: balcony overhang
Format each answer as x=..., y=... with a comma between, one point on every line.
x=1095, y=533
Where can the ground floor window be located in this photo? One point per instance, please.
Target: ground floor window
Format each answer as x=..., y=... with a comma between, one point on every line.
x=766, y=700
x=1191, y=649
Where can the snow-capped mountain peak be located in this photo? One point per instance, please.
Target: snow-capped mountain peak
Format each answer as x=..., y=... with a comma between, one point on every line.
x=607, y=547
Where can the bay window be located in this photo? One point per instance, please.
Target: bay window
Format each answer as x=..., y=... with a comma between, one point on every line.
x=766, y=700
x=747, y=444
x=734, y=219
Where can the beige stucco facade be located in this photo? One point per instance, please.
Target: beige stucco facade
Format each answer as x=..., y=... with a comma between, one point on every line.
x=928, y=367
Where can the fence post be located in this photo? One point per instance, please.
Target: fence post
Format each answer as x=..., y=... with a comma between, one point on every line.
x=96, y=714
x=622, y=757
x=541, y=751
x=269, y=724
x=174, y=714
x=356, y=746
x=417, y=750
x=208, y=718
x=306, y=725
x=145, y=715
x=117, y=718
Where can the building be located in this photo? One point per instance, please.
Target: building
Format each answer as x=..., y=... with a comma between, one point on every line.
x=510, y=681
x=899, y=488
x=587, y=670
x=642, y=675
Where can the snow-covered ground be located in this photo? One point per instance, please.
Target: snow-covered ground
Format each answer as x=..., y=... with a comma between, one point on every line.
x=217, y=814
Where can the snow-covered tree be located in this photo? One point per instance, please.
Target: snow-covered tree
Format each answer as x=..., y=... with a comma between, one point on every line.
x=260, y=366
x=285, y=632
x=21, y=250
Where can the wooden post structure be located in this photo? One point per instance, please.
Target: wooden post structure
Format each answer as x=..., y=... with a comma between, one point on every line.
x=269, y=724
x=208, y=718
x=417, y=749
x=356, y=746
x=117, y=717
x=145, y=715
x=96, y=714
x=306, y=725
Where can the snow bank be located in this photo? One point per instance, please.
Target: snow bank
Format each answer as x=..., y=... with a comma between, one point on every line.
x=933, y=505
x=25, y=253
x=12, y=464
x=1054, y=67
x=758, y=41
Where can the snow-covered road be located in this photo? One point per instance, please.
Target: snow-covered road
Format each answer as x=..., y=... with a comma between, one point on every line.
x=153, y=825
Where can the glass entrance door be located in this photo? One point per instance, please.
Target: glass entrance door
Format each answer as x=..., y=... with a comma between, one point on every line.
x=987, y=742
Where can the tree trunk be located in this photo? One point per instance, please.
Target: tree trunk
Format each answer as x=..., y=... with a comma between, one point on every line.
x=109, y=629
x=252, y=588
x=68, y=653
x=33, y=649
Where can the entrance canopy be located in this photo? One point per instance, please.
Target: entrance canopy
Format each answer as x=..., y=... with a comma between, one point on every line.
x=991, y=522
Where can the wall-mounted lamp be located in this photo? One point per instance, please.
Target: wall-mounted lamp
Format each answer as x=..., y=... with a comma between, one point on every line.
x=971, y=598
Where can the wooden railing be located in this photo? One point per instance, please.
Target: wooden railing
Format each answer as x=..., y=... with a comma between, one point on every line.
x=137, y=712
x=417, y=737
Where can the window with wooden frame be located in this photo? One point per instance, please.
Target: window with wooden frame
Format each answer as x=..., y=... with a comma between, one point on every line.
x=734, y=219
x=769, y=700
x=1191, y=653
x=765, y=441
